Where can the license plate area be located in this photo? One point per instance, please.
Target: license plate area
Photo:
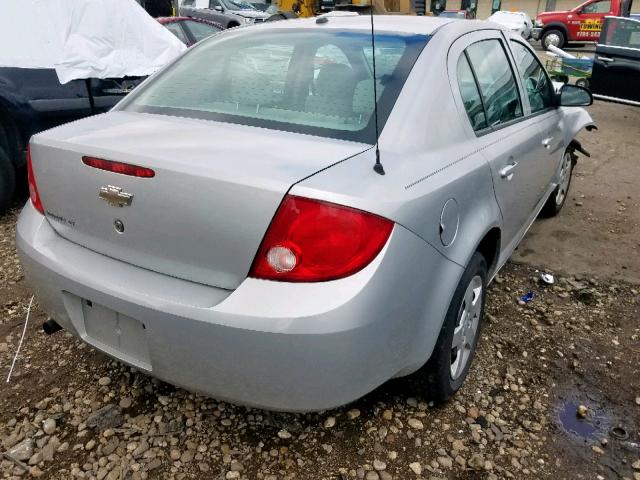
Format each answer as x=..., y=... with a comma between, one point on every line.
x=116, y=334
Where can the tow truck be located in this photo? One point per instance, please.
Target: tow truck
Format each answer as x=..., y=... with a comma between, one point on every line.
x=581, y=24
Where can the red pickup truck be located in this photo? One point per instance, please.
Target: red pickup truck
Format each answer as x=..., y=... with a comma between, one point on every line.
x=581, y=24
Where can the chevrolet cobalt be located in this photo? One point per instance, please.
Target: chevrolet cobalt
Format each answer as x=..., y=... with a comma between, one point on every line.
x=287, y=216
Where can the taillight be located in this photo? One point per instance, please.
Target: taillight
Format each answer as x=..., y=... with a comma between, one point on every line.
x=315, y=241
x=119, y=167
x=33, y=188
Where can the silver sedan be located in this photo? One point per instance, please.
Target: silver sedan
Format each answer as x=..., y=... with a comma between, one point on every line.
x=275, y=221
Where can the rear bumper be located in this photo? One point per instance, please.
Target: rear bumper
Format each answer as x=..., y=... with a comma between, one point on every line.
x=536, y=33
x=280, y=346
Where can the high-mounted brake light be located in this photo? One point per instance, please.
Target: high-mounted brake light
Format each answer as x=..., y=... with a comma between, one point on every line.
x=33, y=188
x=316, y=241
x=119, y=167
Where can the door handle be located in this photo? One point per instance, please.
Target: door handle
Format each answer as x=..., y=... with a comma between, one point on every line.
x=547, y=142
x=507, y=171
x=605, y=59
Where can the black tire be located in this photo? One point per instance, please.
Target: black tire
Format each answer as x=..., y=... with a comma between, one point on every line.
x=558, y=198
x=7, y=181
x=4, y=136
x=440, y=382
x=546, y=36
x=233, y=24
x=276, y=17
x=583, y=82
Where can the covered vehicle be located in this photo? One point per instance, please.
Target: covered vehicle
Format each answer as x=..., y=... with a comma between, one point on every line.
x=616, y=65
x=190, y=30
x=517, y=22
x=255, y=224
x=64, y=61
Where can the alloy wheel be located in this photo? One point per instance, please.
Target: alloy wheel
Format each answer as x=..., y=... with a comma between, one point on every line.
x=565, y=178
x=466, y=329
x=552, y=39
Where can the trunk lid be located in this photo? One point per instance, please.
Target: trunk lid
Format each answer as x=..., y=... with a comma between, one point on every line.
x=204, y=213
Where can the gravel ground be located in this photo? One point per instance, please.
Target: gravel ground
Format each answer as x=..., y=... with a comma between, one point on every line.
x=71, y=412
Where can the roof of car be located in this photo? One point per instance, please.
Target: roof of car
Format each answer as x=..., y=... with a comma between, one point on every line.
x=396, y=23
x=510, y=12
x=164, y=20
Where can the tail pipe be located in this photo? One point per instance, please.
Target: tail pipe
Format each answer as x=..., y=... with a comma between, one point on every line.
x=51, y=326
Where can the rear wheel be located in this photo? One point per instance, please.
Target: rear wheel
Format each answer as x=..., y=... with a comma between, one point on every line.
x=558, y=197
x=7, y=181
x=449, y=364
x=553, y=37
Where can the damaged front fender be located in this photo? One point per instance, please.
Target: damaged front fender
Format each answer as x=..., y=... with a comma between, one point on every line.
x=572, y=122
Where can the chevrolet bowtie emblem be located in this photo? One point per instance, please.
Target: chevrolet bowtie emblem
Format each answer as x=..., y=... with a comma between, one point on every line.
x=115, y=196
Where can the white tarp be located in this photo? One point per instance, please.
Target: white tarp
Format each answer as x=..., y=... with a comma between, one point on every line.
x=84, y=38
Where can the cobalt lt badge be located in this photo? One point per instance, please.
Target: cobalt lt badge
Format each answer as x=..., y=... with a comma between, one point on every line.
x=115, y=196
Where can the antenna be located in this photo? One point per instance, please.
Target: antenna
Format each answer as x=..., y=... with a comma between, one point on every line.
x=378, y=168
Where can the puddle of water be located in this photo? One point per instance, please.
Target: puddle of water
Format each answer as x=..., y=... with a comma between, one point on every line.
x=593, y=427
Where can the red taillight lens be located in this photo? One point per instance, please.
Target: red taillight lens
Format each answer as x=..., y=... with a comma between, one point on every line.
x=118, y=167
x=33, y=188
x=315, y=241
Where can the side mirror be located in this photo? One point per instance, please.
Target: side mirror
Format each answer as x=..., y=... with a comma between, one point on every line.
x=218, y=8
x=574, y=96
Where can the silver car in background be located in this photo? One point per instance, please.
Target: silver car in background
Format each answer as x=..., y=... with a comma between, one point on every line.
x=223, y=228
x=230, y=13
x=517, y=22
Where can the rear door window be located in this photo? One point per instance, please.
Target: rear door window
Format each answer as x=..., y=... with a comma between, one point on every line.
x=176, y=29
x=496, y=81
x=534, y=78
x=621, y=32
x=200, y=30
x=470, y=94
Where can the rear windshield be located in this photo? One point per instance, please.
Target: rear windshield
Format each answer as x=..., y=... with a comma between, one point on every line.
x=317, y=82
